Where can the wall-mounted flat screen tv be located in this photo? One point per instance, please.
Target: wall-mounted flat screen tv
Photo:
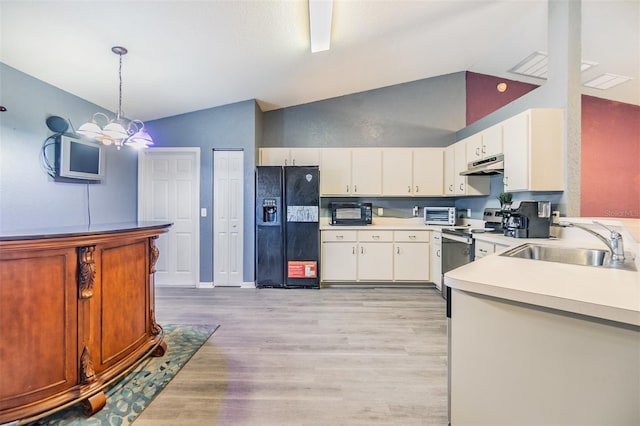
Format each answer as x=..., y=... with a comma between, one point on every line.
x=80, y=159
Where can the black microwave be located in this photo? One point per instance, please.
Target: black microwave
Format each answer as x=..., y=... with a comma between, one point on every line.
x=350, y=213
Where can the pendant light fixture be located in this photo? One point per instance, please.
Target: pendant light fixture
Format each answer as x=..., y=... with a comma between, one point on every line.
x=117, y=132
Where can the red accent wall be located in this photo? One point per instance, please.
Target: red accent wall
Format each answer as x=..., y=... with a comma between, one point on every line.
x=483, y=97
x=610, y=179
x=610, y=162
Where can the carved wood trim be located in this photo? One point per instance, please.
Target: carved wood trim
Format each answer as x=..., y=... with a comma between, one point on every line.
x=155, y=327
x=87, y=373
x=86, y=271
x=154, y=253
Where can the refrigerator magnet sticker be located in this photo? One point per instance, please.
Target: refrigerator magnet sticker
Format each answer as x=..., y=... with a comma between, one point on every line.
x=302, y=269
x=308, y=177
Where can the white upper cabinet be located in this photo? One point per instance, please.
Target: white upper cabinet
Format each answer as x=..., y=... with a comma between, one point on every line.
x=534, y=154
x=289, y=156
x=304, y=157
x=428, y=172
x=414, y=172
x=366, y=171
x=484, y=144
x=335, y=171
x=274, y=156
x=397, y=173
x=455, y=161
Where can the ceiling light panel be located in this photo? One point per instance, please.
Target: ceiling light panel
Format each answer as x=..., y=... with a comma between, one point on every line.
x=537, y=65
x=606, y=81
x=320, y=14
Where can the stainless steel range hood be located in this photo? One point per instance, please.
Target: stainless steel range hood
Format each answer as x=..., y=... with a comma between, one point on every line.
x=488, y=166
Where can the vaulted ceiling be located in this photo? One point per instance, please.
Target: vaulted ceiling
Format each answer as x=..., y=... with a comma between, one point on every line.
x=191, y=55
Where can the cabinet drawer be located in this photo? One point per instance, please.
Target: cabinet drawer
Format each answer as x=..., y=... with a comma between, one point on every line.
x=411, y=236
x=375, y=236
x=339, y=236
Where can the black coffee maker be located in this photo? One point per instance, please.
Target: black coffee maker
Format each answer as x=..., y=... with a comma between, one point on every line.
x=527, y=219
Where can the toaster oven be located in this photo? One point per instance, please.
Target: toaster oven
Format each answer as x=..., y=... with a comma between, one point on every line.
x=440, y=216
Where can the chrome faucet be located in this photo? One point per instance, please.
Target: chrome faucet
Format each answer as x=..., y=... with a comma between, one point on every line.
x=614, y=243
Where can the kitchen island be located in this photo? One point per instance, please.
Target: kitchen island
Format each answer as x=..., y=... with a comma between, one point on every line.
x=534, y=342
x=76, y=313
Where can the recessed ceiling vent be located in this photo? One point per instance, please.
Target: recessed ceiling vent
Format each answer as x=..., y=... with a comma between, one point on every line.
x=537, y=65
x=606, y=81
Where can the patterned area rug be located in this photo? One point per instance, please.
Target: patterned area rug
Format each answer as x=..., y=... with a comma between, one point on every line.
x=128, y=397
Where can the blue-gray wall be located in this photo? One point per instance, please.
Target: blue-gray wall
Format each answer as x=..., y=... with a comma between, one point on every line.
x=420, y=113
x=226, y=127
x=29, y=198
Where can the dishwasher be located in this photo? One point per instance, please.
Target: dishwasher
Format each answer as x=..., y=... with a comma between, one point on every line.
x=457, y=250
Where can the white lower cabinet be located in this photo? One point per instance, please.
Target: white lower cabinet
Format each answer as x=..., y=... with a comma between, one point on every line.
x=411, y=256
x=485, y=248
x=375, y=256
x=339, y=255
x=436, y=259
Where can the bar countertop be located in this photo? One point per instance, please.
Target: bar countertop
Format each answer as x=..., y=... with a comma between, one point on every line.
x=80, y=230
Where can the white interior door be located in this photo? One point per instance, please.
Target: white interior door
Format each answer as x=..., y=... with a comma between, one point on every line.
x=228, y=217
x=169, y=190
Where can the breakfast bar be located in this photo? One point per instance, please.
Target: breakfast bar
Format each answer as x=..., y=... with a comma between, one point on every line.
x=536, y=342
x=76, y=313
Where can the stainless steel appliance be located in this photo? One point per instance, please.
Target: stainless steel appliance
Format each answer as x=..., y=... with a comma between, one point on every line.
x=439, y=215
x=287, y=227
x=486, y=167
x=527, y=219
x=351, y=213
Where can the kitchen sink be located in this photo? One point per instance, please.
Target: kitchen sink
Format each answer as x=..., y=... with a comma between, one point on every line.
x=570, y=255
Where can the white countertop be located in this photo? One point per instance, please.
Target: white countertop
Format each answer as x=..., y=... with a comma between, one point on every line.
x=606, y=293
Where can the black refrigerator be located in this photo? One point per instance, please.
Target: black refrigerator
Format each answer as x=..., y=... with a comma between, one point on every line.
x=287, y=228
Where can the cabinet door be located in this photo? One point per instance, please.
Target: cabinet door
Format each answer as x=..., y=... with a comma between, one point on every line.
x=436, y=259
x=428, y=172
x=339, y=261
x=304, y=156
x=375, y=262
x=274, y=157
x=411, y=262
x=473, y=147
x=492, y=141
x=460, y=165
x=483, y=248
x=516, y=153
x=335, y=171
x=366, y=171
x=397, y=172
x=449, y=170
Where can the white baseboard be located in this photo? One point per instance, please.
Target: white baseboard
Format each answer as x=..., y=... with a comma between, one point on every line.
x=205, y=284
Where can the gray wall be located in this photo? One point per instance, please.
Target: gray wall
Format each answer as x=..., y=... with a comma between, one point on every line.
x=420, y=113
x=227, y=127
x=29, y=198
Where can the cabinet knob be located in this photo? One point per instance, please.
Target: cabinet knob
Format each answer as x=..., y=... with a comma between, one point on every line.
x=375, y=237
x=353, y=250
x=361, y=250
x=417, y=189
x=451, y=188
x=462, y=187
x=398, y=250
x=293, y=161
x=285, y=162
x=409, y=189
x=339, y=237
x=438, y=253
x=347, y=188
x=355, y=188
x=505, y=180
x=412, y=237
x=478, y=151
x=484, y=149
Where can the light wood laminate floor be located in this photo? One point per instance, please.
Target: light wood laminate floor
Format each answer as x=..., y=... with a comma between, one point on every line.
x=336, y=356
